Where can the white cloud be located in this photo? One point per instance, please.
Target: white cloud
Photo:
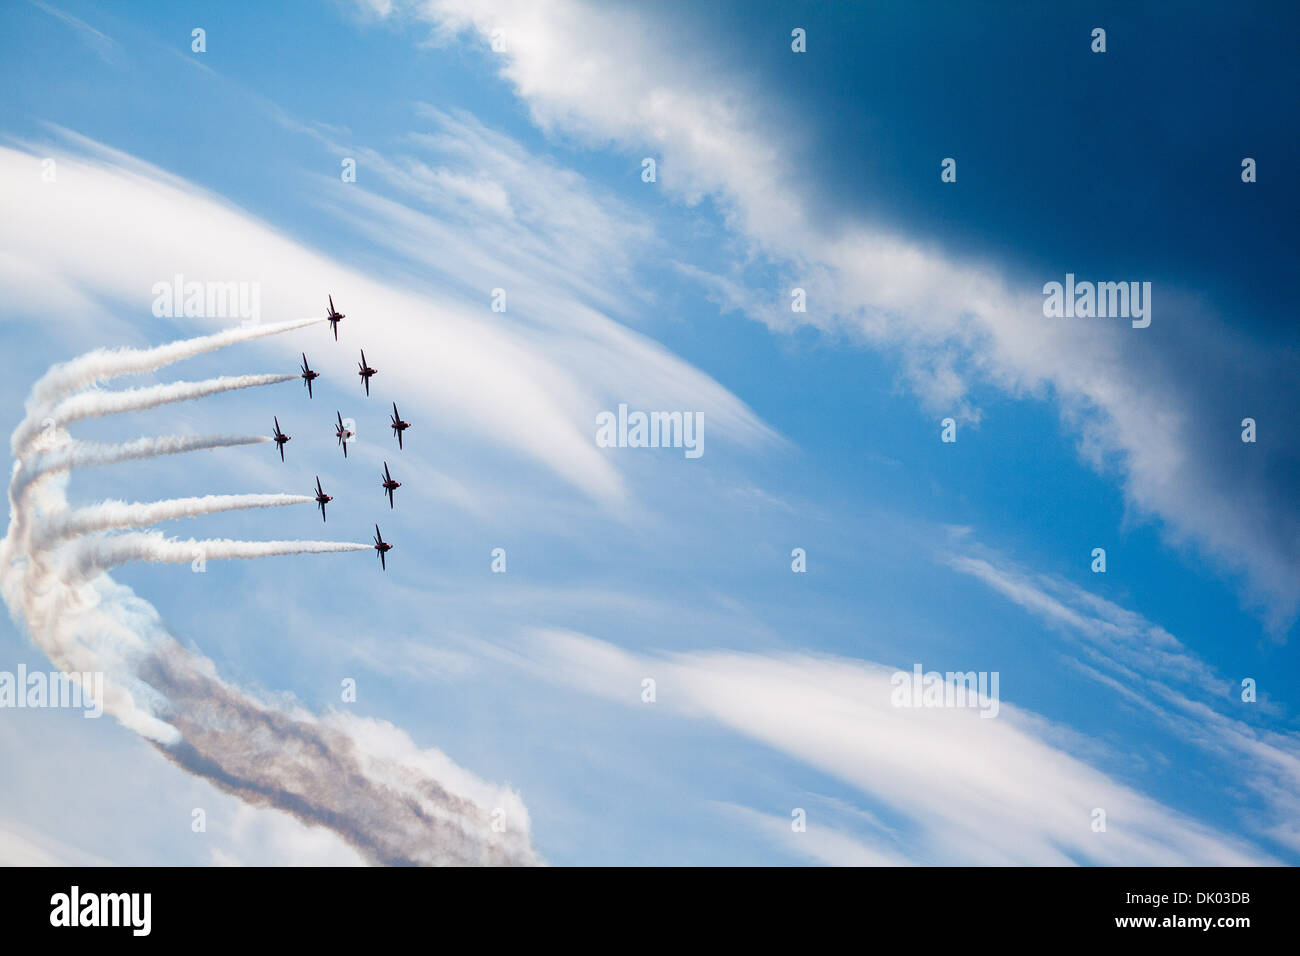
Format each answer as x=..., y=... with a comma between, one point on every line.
x=972, y=790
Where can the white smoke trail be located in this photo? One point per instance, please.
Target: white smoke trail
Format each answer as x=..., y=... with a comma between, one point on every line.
x=101, y=365
x=89, y=556
x=108, y=515
x=96, y=403
x=81, y=454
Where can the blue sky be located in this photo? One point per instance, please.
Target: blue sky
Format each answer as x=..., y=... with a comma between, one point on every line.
x=521, y=169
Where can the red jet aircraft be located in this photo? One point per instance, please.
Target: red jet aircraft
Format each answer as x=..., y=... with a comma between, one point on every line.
x=334, y=317
x=389, y=485
x=280, y=438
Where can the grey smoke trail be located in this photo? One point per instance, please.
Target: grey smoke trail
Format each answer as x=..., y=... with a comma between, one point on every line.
x=91, y=555
x=108, y=515
x=98, y=366
x=95, y=403
x=393, y=813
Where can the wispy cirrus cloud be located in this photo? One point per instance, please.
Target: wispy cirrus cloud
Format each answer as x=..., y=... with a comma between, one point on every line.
x=1156, y=674
x=818, y=842
x=105, y=47
x=968, y=790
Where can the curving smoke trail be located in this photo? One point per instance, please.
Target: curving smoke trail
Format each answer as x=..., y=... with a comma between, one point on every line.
x=108, y=515
x=90, y=556
x=95, y=403
x=98, y=366
x=363, y=779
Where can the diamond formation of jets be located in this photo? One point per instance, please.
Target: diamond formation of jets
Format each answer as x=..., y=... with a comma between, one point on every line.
x=344, y=434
